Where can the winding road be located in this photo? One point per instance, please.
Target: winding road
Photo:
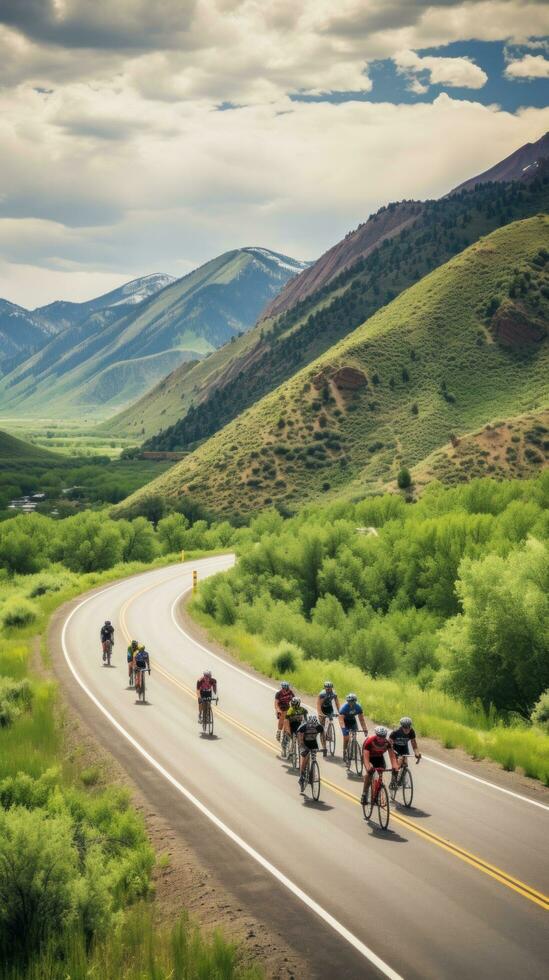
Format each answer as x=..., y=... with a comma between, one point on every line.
x=458, y=885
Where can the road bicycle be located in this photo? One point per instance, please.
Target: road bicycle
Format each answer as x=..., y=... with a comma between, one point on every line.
x=404, y=782
x=330, y=736
x=131, y=675
x=107, y=653
x=352, y=757
x=311, y=774
x=377, y=796
x=207, y=718
x=141, y=689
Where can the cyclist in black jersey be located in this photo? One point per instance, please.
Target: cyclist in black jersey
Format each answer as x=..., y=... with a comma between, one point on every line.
x=401, y=738
x=325, y=701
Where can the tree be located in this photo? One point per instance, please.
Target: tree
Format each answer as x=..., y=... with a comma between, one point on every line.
x=497, y=650
x=139, y=543
x=171, y=532
x=404, y=478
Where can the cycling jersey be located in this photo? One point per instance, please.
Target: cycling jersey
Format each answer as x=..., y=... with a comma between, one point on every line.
x=376, y=747
x=350, y=713
x=400, y=739
x=310, y=732
x=205, y=684
x=142, y=660
x=107, y=633
x=326, y=698
x=296, y=717
x=130, y=654
x=283, y=698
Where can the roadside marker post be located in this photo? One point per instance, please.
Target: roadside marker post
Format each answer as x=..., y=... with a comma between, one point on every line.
x=182, y=556
x=195, y=580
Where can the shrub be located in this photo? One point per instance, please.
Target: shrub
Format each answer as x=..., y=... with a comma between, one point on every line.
x=540, y=714
x=404, y=478
x=285, y=661
x=18, y=612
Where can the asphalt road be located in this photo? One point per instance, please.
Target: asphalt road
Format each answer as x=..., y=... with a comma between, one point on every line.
x=458, y=885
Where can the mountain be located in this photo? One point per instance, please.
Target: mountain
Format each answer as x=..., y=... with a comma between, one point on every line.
x=100, y=362
x=517, y=166
x=15, y=451
x=65, y=314
x=191, y=406
x=21, y=333
x=387, y=223
x=466, y=345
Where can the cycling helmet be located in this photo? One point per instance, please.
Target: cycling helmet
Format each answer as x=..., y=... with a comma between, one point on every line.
x=327, y=684
x=352, y=697
x=312, y=720
x=134, y=644
x=284, y=684
x=207, y=673
x=141, y=646
x=108, y=622
x=295, y=702
x=406, y=722
x=381, y=731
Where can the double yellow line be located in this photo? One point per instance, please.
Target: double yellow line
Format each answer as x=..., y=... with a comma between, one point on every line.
x=472, y=859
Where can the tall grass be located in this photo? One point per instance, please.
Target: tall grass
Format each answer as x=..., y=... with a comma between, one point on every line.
x=136, y=949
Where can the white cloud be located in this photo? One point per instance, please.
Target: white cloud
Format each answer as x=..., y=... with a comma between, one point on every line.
x=530, y=66
x=115, y=161
x=454, y=72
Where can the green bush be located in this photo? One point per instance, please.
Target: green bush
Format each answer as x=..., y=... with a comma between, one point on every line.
x=17, y=612
x=404, y=478
x=540, y=714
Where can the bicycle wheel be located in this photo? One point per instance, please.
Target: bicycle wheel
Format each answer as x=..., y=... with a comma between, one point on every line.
x=205, y=712
x=331, y=738
x=407, y=787
x=284, y=745
x=142, y=688
x=383, y=807
x=210, y=721
x=130, y=681
x=294, y=753
x=314, y=779
x=369, y=805
x=357, y=758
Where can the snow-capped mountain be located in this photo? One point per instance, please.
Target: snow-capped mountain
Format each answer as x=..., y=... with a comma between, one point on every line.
x=21, y=333
x=64, y=314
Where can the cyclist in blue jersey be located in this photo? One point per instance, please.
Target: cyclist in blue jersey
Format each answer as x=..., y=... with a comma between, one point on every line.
x=349, y=714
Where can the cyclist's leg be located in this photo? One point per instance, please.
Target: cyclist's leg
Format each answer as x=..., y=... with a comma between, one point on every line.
x=346, y=733
x=281, y=720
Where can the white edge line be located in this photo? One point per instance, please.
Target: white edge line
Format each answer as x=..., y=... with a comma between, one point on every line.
x=361, y=948
x=428, y=758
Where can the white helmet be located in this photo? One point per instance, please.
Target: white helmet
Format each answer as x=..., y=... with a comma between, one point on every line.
x=381, y=731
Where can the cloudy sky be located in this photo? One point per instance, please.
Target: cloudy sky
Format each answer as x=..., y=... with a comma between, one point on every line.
x=149, y=135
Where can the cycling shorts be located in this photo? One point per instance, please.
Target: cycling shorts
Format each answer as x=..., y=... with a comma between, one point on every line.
x=400, y=752
x=294, y=724
x=205, y=695
x=307, y=746
x=327, y=710
x=350, y=726
x=377, y=761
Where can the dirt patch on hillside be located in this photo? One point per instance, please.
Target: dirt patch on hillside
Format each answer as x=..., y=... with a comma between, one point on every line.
x=513, y=327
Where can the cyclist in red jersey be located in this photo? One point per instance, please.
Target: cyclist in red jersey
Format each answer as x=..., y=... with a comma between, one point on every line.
x=206, y=687
x=373, y=752
x=282, y=702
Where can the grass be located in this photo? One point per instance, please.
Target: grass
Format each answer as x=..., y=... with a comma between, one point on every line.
x=435, y=714
x=313, y=435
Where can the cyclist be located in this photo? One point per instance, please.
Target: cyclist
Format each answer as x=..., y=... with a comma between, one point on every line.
x=373, y=752
x=401, y=737
x=141, y=662
x=106, y=633
x=283, y=698
x=348, y=715
x=307, y=734
x=325, y=701
x=206, y=687
x=132, y=649
x=295, y=716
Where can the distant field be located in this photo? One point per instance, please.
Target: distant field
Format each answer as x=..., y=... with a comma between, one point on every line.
x=72, y=438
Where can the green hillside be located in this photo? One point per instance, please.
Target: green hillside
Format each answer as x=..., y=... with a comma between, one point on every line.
x=95, y=367
x=15, y=451
x=466, y=345
x=275, y=349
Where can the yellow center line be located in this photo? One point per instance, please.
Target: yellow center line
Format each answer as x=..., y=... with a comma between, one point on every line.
x=526, y=891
